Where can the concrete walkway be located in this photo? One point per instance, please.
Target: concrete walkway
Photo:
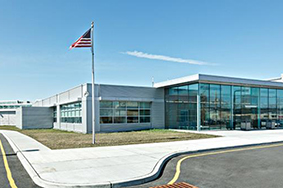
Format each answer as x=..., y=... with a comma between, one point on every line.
x=118, y=165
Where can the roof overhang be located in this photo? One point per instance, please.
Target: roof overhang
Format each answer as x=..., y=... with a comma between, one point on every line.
x=202, y=78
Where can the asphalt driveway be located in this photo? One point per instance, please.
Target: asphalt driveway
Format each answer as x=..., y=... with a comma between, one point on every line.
x=19, y=177
x=258, y=167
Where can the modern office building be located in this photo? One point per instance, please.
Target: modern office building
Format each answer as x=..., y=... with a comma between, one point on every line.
x=8, y=111
x=202, y=102
x=197, y=102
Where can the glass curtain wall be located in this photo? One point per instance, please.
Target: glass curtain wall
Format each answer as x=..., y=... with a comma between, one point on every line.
x=263, y=107
x=255, y=108
x=272, y=108
x=171, y=107
x=193, y=92
x=214, y=107
x=224, y=107
x=181, y=107
x=237, y=107
x=204, y=105
x=249, y=106
x=279, y=122
x=215, y=102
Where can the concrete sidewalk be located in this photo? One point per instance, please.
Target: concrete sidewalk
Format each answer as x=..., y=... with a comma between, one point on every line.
x=118, y=165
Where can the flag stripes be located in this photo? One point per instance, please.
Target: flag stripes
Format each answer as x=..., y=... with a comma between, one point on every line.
x=84, y=41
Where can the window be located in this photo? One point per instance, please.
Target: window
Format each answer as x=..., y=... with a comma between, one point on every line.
x=132, y=104
x=106, y=120
x=119, y=119
x=144, y=105
x=54, y=114
x=120, y=112
x=106, y=104
x=133, y=119
x=124, y=112
x=131, y=112
x=144, y=112
x=106, y=112
x=71, y=113
x=145, y=119
x=119, y=105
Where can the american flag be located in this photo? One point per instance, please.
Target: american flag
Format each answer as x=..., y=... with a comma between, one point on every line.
x=83, y=42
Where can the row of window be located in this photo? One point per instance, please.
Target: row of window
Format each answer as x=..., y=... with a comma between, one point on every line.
x=135, y=119
x=124, y=112
x=13, y=106
x=72, y=106
x=70, y=113
x=110, y=112
x=124, y=105
x=71, y=120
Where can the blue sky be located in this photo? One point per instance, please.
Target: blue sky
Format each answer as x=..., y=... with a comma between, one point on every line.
x=135, y=40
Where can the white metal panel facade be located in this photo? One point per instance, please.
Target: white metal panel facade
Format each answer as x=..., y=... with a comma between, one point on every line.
x=106, y=92
x=136, y=94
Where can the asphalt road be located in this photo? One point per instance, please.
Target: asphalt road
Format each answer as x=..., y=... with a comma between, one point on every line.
x=19, y=174
x=256, y=168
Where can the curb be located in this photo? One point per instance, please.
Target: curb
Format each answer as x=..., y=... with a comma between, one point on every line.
x=163, y=161
x=155, y=173
x=44, y=183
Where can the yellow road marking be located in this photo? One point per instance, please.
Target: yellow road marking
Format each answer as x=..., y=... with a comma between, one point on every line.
x=9, y=174
x=178, y=167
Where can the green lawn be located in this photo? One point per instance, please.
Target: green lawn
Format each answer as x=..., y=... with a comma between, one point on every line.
x=57, y=139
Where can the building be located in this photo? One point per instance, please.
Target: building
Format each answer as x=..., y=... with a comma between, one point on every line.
x=197, y=102
x=117, y=108
x=202, y=102
x=8, y=111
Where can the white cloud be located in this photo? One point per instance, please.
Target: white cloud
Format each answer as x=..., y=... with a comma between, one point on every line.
x=165, y=58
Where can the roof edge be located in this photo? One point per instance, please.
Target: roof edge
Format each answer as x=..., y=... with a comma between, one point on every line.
x=218, y=79
x=176, y=81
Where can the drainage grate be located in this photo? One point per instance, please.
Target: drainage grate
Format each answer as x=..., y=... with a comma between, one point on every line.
x=176, y=185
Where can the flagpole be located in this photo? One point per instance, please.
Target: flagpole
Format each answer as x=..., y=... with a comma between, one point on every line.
x=93, y=94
